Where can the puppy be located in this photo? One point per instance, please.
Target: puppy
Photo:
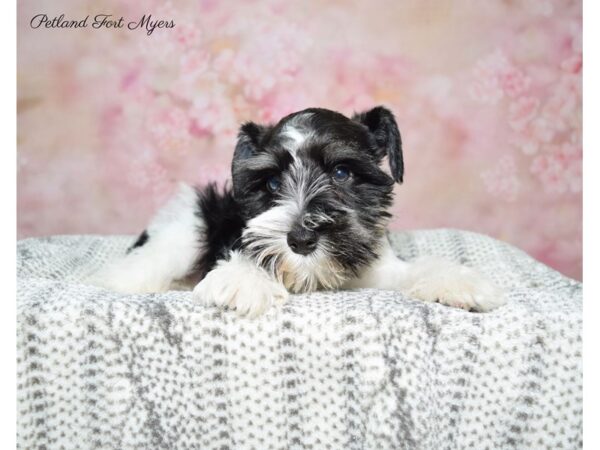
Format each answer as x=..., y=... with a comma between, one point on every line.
x=307, y=210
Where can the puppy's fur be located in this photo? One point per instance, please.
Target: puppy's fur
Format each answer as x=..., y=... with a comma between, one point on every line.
x=308, y=210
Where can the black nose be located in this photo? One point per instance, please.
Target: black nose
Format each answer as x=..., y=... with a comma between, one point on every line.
x=302, y=241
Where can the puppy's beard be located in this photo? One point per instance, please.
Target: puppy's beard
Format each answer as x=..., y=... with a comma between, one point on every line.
x=265, y=239
x=311, y=272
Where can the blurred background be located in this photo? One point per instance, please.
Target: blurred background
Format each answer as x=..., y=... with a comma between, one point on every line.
x=487, y=96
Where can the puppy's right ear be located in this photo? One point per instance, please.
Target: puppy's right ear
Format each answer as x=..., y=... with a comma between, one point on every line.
x=248, y=145
x=248, y=142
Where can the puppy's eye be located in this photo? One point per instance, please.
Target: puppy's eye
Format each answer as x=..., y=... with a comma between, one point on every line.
x=273, y=183
x=341, y=173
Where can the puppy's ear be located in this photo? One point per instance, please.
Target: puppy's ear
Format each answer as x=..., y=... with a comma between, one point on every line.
x=248, y=142
x=248, y=145
x=381, y=123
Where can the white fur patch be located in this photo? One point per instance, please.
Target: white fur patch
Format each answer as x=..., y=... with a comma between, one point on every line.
x=434, y=279
x=311, y=272
x=240, y=284
x=295, y=137
x=170, y=252
x=387, y=272
x=296, y=133
x=431, y=279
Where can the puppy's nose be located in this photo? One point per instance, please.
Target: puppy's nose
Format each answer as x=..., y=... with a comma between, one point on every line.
x=302, y=241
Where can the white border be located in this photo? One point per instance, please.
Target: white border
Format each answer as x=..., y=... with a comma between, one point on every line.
x=591, y=238
x=9, y=225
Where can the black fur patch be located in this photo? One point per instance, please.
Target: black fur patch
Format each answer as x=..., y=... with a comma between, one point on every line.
x=141, y=240
x=381, y=123
x=223, y=224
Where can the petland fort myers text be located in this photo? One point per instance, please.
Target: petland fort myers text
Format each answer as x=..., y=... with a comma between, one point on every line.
x=101, y=21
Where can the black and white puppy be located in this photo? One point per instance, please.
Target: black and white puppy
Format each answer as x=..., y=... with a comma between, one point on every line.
x=308, y=210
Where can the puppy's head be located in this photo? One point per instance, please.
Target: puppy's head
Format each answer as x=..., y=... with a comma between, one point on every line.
x=313, y=194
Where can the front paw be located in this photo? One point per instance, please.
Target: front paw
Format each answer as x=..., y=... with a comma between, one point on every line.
x=240, y=285
x=457, y=286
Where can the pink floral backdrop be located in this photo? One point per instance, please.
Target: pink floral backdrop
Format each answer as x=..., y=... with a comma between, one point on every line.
x=487, y=97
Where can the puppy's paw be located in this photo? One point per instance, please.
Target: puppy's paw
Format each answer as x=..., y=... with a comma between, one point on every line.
x=240, y=285
x=454, y=285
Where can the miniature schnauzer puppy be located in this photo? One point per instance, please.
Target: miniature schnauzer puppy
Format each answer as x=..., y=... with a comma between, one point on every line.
x=307, y=210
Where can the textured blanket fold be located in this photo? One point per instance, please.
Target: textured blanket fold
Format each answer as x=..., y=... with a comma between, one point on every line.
x=341, y=370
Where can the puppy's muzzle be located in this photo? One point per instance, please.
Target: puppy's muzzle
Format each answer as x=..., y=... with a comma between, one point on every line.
x=302, y=241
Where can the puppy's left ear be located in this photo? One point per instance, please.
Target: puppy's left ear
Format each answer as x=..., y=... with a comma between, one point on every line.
x=381, y=123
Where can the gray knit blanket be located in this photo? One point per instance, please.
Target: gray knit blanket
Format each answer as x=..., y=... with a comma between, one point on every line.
x=361, y=369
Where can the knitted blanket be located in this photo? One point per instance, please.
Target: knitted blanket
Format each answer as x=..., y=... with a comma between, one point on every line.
x=340, y=370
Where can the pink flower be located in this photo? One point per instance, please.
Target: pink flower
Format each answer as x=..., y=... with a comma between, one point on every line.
x=543, y=129
x=169, y=129
x=527, y=143
x=559, y=169
x=269, y=58
x=493, y=64
x=187, y=35
x=563, y=106
x=486, y=87
x=486, y=90
x=514, y=82
x=522, y=111
x=495, y=76
x=194, y=62
x=502, y=181
x=212, y=113
x=150, y=177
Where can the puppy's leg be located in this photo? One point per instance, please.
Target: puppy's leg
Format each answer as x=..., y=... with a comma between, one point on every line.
x=431, y=279
x=238, y=283
x=166, y=251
